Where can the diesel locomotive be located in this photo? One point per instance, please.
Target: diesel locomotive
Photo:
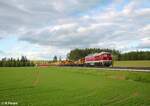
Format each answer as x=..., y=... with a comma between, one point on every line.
x=99, y=59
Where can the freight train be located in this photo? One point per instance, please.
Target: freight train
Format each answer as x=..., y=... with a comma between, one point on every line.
x=97, y=59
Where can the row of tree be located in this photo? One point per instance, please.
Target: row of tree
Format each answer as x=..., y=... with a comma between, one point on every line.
x=77, y=54
x=136, y=55
x=11, y=62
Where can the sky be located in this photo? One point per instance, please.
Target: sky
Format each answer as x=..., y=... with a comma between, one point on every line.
x=40, y=29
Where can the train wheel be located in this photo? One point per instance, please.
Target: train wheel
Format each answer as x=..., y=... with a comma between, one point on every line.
x=107, y=64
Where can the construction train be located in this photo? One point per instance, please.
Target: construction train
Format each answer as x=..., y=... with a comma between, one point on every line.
x=97, y=59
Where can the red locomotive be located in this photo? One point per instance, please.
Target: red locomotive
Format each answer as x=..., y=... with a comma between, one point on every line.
x=99, y=59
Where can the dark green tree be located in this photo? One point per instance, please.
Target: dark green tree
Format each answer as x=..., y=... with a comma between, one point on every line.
x=55, y=58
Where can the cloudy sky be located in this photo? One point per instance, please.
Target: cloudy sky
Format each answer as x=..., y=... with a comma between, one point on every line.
x=41, y=29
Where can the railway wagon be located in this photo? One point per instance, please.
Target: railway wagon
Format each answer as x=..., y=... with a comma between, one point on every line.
x=99, y=59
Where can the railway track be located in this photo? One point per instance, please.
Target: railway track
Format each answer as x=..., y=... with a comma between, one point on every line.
x=136, y=69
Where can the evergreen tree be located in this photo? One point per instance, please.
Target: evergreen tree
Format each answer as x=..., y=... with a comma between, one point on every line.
x=55, y=58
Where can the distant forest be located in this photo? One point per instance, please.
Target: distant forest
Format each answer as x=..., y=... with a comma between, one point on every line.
x=11, y=62
x=77, y=54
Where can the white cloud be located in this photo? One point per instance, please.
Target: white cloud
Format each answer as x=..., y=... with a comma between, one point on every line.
x=88, y=30
x=145, y=43
x=61, y=25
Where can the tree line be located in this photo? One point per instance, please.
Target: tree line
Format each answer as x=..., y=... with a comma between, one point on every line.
x=77, y=54
x=12, y=62
x=136, y=55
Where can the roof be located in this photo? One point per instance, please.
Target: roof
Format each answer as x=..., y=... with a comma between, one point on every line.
x=95, y=54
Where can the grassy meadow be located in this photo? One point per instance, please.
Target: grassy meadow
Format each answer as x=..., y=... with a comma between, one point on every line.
x=141, y=63
x=64, y=86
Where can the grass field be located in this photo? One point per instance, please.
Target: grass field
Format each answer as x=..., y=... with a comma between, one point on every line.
x=132, y=63
x=57, y=86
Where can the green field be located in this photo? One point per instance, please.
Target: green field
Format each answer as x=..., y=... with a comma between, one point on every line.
x=142, y=63
x=58, y=86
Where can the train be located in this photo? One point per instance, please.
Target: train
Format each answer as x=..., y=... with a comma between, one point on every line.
x=97, y=59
